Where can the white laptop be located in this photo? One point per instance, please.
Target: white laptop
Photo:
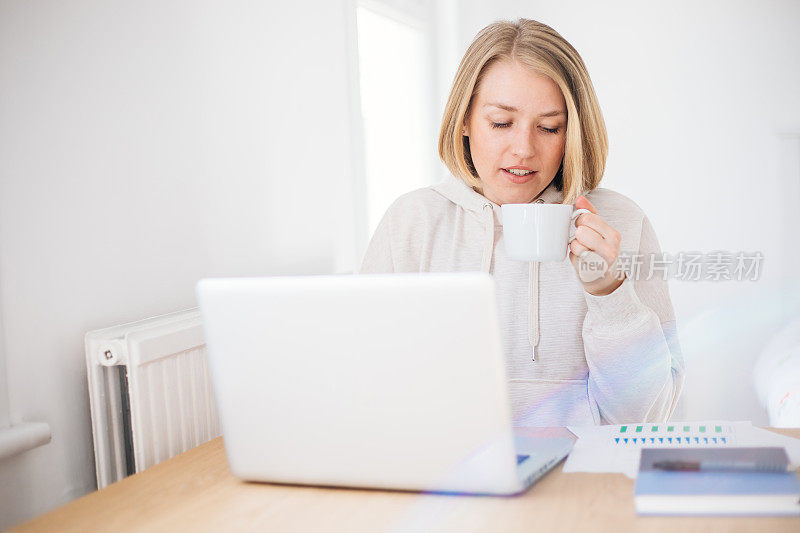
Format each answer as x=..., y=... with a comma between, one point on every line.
x=380, y=381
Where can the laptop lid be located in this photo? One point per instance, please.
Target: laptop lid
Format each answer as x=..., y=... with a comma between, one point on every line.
x=386, y=381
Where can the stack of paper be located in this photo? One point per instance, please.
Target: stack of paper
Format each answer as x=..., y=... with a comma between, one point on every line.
x=617, y=448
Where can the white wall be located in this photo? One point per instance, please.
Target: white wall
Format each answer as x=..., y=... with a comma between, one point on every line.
x=700, y=100
x=144, y=145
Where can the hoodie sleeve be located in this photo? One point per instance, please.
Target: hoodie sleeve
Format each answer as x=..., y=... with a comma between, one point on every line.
x=378, y=257
x=630, y=339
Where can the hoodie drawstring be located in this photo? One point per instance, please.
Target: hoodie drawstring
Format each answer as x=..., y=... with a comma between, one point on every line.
x=533, y=302
x=488, y=226
x=533, y=307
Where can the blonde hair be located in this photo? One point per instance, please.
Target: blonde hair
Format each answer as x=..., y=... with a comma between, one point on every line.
x=542, y=49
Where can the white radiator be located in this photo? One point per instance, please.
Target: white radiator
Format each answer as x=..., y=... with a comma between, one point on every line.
x=150, y=393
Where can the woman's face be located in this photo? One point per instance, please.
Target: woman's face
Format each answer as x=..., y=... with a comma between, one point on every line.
x=517, y=132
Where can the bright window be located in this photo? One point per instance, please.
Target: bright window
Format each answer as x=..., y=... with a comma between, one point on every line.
x=392, y=67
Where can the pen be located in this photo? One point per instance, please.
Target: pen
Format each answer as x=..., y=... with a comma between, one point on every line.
x=717, y=466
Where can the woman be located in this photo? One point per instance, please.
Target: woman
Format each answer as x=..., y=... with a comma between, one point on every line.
x=522, y=124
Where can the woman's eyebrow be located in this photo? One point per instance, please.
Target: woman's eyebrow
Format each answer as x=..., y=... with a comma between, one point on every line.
x=501, y=106
x=553, y=113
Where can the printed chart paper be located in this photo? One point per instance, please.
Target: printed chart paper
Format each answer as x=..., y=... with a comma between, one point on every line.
x=617, y=448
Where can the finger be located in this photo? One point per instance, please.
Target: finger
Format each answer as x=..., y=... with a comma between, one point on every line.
x=597, y=223
x=596, y=243
x=581, y=202
x=576, y=248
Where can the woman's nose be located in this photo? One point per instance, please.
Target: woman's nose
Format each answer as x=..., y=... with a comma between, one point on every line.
x=524, y=144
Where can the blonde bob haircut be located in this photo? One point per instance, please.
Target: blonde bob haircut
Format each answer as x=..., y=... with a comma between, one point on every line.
x=542, y=49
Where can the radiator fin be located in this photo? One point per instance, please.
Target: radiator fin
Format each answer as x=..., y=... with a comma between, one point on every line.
x=180, y=409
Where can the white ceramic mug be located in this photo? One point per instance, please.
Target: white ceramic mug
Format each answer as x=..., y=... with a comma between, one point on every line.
x=539, y=232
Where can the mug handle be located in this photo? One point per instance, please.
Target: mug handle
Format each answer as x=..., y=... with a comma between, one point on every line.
x=572, y=220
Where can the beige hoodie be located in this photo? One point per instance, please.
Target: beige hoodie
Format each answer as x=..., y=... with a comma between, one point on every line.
x=572, y=358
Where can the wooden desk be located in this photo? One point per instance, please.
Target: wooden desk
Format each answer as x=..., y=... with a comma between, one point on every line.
x=195, y=491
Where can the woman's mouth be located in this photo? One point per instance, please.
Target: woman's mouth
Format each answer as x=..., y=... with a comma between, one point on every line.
x=519, y=175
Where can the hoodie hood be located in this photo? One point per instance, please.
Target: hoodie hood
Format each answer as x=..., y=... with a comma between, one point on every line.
x=458, y=192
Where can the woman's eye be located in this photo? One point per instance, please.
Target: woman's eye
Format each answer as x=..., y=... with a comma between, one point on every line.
x=507, y=124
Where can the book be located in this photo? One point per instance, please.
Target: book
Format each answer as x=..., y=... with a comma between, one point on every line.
x=703, y=481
